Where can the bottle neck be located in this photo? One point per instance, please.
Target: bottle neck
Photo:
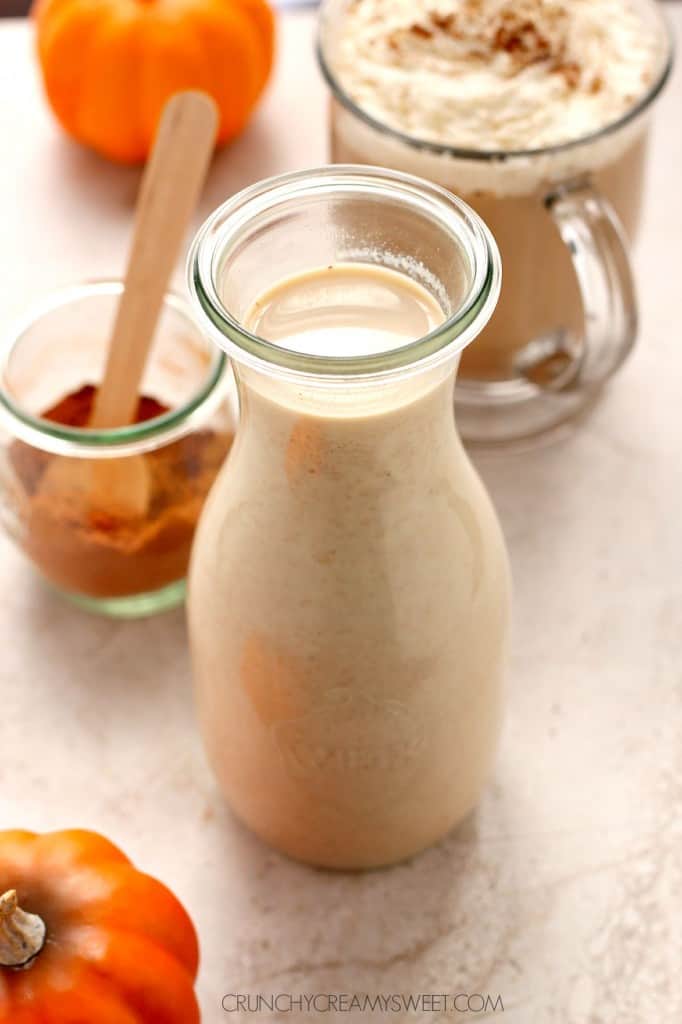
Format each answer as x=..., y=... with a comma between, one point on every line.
x=342, y=400
x=313, y=431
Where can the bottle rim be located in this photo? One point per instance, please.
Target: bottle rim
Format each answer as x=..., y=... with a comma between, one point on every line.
x=223, y=229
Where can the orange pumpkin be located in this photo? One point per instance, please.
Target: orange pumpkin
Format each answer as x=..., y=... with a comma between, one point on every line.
x=87, y=939
x=110, y=65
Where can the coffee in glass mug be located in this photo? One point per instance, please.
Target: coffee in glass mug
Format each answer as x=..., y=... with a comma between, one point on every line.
x=536, y=112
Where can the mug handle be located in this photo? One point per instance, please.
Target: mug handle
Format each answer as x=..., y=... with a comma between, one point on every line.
x=596, y=241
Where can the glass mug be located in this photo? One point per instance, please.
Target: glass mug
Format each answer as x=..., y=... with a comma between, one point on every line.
x=561, y=216
x=348, y=594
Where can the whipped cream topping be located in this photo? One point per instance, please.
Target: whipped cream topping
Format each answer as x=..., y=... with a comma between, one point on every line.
x=497, y=74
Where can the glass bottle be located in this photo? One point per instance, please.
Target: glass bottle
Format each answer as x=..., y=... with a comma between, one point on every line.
x=349, y=591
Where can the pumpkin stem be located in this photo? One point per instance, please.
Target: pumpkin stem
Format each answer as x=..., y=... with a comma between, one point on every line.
x=22, y=935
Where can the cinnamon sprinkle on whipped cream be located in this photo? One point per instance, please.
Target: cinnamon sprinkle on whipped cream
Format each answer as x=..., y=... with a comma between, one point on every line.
x=497, y=74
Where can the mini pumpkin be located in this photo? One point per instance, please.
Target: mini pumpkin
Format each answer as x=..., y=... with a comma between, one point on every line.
x=87, y=939
x=109, y=66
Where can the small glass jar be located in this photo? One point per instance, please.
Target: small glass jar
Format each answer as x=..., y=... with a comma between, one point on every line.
x=120, y=564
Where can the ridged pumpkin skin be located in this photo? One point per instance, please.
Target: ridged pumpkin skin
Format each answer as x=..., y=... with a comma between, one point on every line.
x=110, y=65
x=120, y=949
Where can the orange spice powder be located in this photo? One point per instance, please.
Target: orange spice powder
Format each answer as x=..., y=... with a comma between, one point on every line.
x=86, y=549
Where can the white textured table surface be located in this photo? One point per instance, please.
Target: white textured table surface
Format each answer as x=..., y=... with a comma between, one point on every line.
x=563, y=894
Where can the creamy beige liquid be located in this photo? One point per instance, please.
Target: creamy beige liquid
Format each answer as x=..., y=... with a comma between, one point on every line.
x=349, y=591
x=346, y=310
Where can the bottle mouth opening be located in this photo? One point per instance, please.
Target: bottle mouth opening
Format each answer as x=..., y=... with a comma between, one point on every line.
x=116, y=442
x=274, y=204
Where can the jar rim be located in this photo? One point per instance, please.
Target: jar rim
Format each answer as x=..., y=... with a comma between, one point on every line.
x=114, y=441
x=499, y=155
x=446, y=340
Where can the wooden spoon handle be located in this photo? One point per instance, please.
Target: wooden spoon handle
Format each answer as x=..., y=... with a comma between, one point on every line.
x=168, y=196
